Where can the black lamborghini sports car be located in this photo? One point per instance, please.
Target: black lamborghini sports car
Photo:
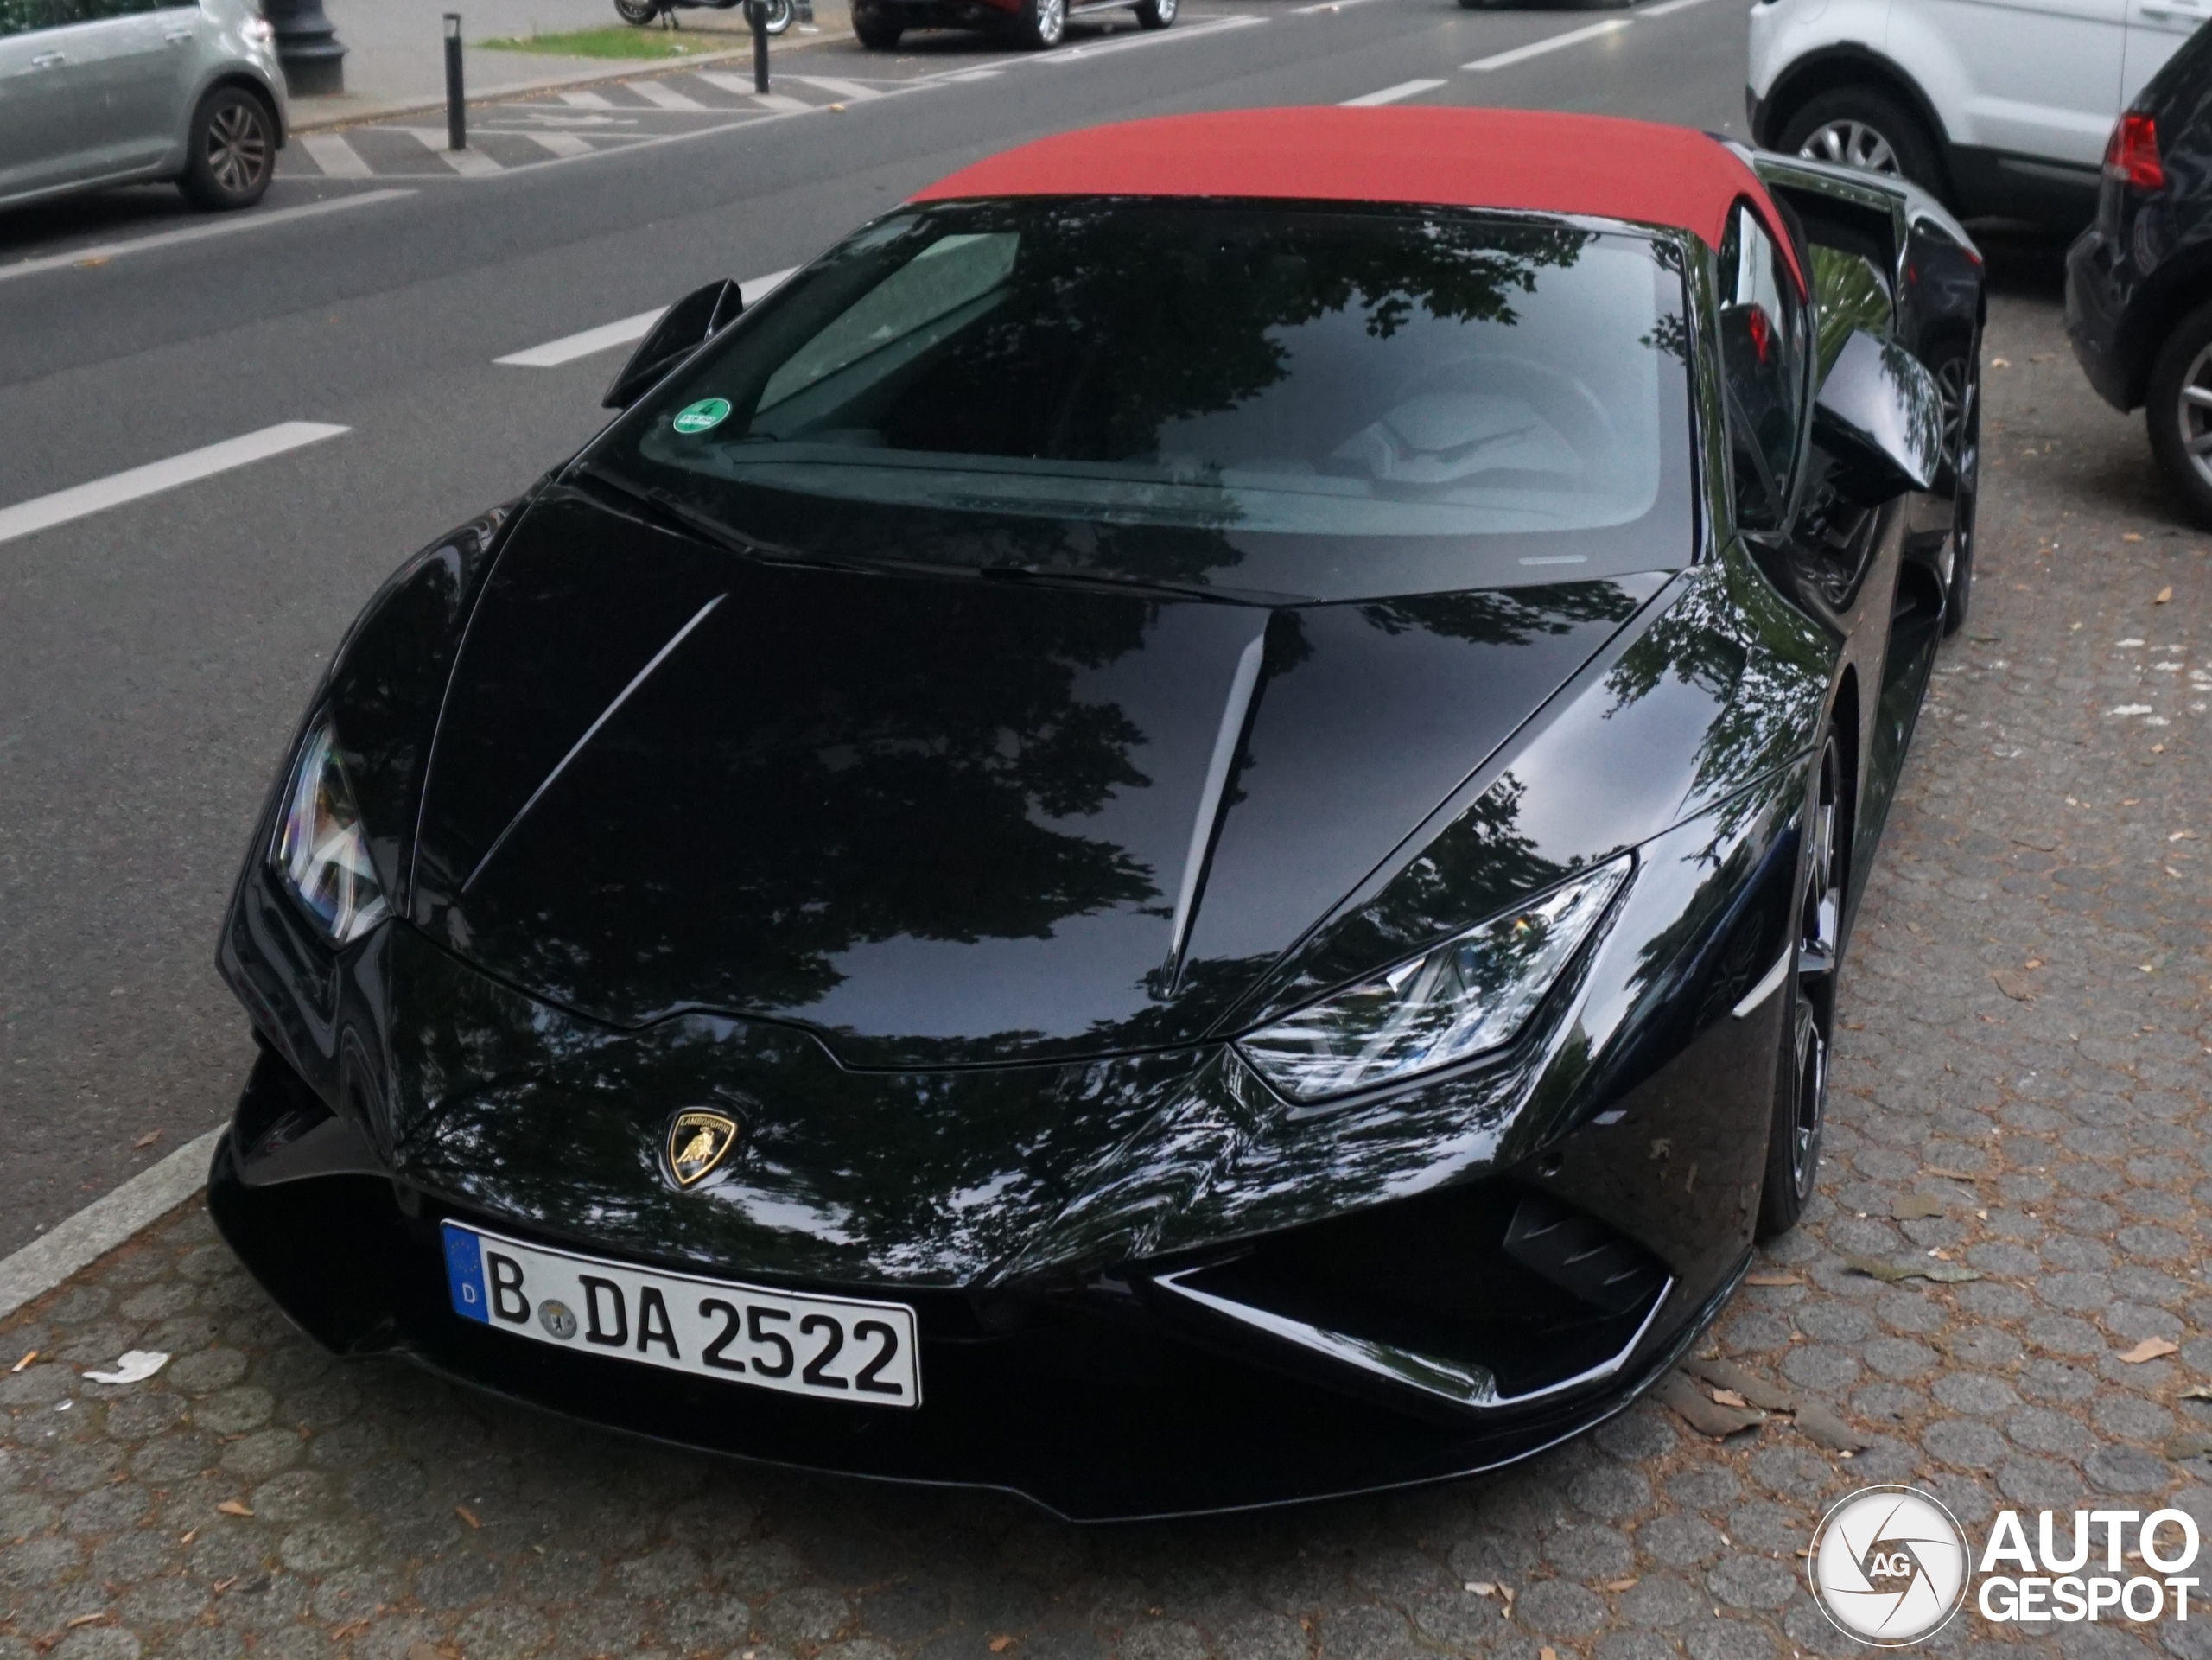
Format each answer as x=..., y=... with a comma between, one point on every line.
x=1175, y=834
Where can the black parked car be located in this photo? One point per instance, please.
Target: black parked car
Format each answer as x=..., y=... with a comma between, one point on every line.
x=2138, y=281
x=1178, y=833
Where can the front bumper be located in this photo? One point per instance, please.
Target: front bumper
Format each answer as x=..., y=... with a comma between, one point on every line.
x=1111, y=1396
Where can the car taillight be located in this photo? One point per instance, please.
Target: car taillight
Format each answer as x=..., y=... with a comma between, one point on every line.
x=2132, y=158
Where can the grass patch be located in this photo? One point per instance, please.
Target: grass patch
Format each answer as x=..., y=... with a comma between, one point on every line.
x=620, y=41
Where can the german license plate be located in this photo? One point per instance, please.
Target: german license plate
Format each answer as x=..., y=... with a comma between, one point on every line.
x=830, y=1348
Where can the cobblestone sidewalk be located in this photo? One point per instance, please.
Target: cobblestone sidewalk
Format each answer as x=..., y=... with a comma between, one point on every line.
x=2021, y=1094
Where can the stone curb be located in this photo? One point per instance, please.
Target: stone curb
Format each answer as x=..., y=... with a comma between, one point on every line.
x=84, y=1238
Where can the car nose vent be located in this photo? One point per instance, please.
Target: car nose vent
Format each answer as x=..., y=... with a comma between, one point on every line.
x=1450, y=1301
x=1580, y=1254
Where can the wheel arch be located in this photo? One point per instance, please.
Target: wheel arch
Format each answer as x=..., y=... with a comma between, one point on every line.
x=1838, y=66
x=246, y=81
x=2181, y=287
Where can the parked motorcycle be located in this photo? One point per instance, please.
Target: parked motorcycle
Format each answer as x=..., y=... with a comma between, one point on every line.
x=642, y=12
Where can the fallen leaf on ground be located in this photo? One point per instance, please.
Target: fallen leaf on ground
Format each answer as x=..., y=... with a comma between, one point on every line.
x=2000, y=363
x=1706, y=1416
x=1766, y=1277
x=1726, y=1374
x=1621, y=1585
x=24, y=1362
x=2197, y=1392
x=1730, y=1398
x=2132, y=536
x=148, y=1139
x=1001, y=1644
x=234, y=1507
x=1828, y=1430
x=1950, y=1175
x=1546, y=1652
x=1943, y=1273
x=86, y=1619
x=2150, y=1349
x=467, y=1514
x=1914, y=1207
x=132, y=1366
x=2012, y=986
x=1481, y=1587
x=2164, y=594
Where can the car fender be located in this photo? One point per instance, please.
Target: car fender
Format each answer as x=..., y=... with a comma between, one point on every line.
x=1853, y=63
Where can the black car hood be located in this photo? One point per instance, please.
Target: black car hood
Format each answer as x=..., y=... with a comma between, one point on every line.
x=937, y=819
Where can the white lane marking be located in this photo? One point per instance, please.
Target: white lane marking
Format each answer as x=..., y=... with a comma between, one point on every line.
x=1329, y=5
x=1666, y=6
x=980, y=72
x=1131, y=42
x=742, y=85
x=101, y=252
x=607, y=336
x=1392, y=94
x=585, y=101
x=561, y=144
x=851, y=90
x=337, y=158
x=469, y=163
x=44, y=512
x=1537, y=49
x=666, y=97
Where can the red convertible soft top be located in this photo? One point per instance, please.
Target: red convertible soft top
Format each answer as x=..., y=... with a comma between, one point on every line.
x=1532, y=160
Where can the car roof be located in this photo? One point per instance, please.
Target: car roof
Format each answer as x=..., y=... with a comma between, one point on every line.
x=1533, y=160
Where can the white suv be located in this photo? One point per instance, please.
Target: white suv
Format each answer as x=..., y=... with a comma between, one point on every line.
x=1998, y=106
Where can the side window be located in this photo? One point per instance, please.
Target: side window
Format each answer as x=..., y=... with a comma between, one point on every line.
x=1763, y=359
x=26, y=17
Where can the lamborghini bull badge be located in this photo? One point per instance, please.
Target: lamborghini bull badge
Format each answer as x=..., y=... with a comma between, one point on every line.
x=699, y=1139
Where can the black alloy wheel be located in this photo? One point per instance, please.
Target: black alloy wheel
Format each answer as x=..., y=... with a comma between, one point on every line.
x=1043, y=23
x=1958, y=379
x=1793, y=1155
x=639, y=12
x=232, y=152
x=1157, y=14
x=1867, y=128
x=2177, y=408
x=876, y=27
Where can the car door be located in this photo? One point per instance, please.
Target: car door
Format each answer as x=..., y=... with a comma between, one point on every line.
x=39, y=136
x=129, y=68
x=2156, y=30
x=2042, y=78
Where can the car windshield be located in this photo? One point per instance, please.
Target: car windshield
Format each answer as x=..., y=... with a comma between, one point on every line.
x=1331, y=402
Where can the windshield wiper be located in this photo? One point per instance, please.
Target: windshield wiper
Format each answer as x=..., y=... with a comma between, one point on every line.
x=1060, y=576
x=655, y=507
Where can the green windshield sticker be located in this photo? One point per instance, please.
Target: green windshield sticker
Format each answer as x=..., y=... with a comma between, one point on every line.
x=704, y=415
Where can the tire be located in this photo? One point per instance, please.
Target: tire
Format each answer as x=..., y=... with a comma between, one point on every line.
x=780, y=13
x=1042, y=23
x=1864, y=127
x=1959, y=379
x=231, y=153
x=876, y=28
x=1793, y=1147
x=2177, y=409
x=1157, y=14
x=639, y=12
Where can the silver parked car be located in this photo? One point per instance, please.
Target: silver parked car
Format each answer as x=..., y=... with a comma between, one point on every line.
x=97, y=92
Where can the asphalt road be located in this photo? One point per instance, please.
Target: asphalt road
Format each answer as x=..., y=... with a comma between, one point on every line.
x=155, y=655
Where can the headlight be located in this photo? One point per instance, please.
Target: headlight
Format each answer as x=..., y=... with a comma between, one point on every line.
x=321, y=854
x=1467, y=996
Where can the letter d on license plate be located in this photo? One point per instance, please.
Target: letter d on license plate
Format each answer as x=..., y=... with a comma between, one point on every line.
x=831, y=1348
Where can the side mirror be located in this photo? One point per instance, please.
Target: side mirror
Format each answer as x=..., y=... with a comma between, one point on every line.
x=1880, y=416
x=682, y=329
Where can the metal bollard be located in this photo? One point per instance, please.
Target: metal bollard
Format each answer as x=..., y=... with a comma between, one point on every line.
x=456, y=108
x=756, y=13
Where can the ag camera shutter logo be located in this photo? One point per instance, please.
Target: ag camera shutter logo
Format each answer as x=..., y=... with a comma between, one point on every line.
x=1888, y=1565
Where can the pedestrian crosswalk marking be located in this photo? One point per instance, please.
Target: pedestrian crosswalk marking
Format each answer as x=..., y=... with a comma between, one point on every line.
x=666, y=97
x=337, y=158
x=469, y=163
x=585, y=101
x=743, y=88
x=851, y=90
x=561, y=144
